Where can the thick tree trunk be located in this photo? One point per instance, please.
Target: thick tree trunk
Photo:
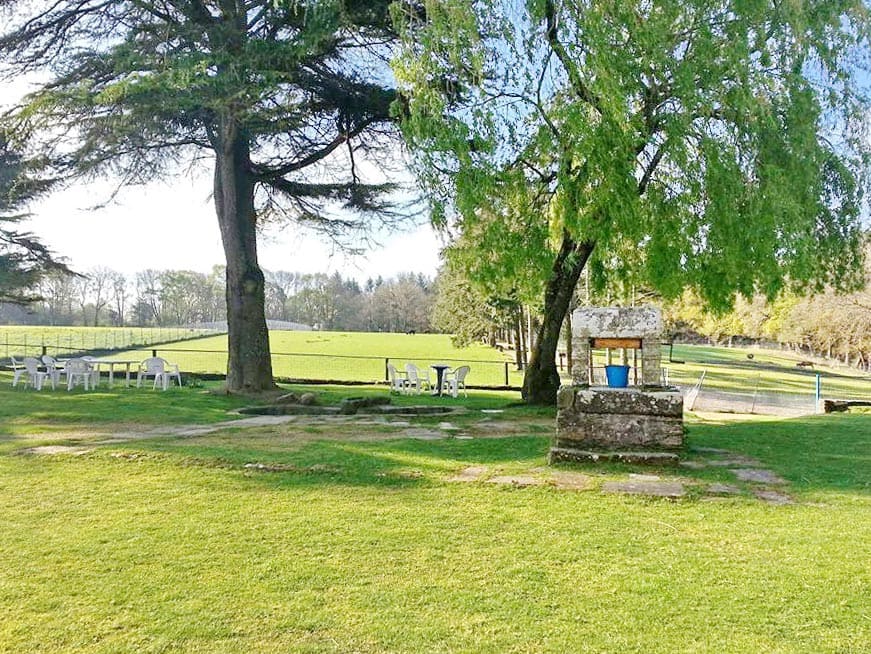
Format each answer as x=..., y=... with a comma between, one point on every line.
x=249, y=366
x=541, y=381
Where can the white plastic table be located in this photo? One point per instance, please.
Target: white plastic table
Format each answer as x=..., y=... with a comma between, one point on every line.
x=111, y=363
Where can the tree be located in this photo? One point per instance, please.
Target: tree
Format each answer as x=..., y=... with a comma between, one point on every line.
x=24, y=260
x=275, y=92
x=691, y=142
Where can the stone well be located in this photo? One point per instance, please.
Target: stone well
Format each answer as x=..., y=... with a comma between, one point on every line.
x=642, y=422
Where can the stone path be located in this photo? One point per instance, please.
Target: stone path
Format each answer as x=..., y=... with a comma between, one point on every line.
x=759, y=478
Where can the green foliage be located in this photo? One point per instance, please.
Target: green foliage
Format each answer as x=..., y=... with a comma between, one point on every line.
x=695, y=143
x=24, y=260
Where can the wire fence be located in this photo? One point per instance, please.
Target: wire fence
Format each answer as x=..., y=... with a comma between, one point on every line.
x=297, y=366
x=63, y=341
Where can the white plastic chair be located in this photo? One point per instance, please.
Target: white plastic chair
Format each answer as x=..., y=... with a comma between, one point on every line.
x=455, y=380
x=397, y=381
x=35, y=376
x=416, y=380
x=53, y=369
x=95, y=371
x=17, y=371
x=160, y=369
x=79, y=371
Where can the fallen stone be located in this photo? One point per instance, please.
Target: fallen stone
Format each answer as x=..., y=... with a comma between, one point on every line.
x=671, y=489
x=462, y=437
x=520, y=481
x=446, y=426
x=635, y=477
x=308, y=399
x=473, y=473
x=723, y=489
x=773, y=497
x=757, y=475
x=694, y=465
x=287, y=398
x=710, y=450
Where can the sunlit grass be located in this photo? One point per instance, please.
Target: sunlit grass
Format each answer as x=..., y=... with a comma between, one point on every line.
x=362, y=544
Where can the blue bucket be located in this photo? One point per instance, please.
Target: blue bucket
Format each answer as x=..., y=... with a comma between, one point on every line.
x=618, y=376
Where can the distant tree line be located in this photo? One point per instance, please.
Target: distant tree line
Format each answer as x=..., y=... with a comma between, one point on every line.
x=161, y=298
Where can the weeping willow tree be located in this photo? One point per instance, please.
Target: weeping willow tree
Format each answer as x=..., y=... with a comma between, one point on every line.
x=715, y=144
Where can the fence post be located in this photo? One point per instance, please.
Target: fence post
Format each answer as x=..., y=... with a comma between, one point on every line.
x=386, y=371
x=506, y=373
x=44, y=349
x=818, y=393
x=154, y=353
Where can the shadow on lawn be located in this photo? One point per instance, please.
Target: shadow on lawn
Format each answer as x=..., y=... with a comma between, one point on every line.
x=823, y=453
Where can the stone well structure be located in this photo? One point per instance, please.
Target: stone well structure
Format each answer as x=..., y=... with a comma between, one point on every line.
x=642, y=422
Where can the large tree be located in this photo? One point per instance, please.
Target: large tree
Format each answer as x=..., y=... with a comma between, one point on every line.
x=280, y=96
x=24, y=259
x=718, y=144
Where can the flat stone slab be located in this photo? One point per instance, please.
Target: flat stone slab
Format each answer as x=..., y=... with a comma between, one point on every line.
x=773, y=497
x=447, y=426
x=571, y=481
x=521, y=481
x=757, y=475
x=694, y=465
x=723, y=489
x=48, y=450
x=473, y=473
x=423, y=434
x=735, y=461
x=671, y=489
x=586, y=456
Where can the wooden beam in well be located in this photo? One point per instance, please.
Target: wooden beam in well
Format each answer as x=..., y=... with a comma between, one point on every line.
x=616, y=343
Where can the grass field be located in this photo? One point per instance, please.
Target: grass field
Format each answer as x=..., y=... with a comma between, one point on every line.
x=26, y=340
x=353, y=356
x=357, y=541
x=348, y=356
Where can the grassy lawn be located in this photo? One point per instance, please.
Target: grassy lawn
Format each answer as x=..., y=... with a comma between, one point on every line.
x=355, y=540
x=341, y=356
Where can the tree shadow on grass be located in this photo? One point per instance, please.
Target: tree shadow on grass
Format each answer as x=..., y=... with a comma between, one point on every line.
x=827, y=452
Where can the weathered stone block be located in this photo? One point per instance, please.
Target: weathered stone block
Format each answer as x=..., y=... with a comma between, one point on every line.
x=628, y=401
x=617, y=431
x=616, y=322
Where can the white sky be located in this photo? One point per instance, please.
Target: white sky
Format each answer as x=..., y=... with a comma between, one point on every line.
x=173, y=226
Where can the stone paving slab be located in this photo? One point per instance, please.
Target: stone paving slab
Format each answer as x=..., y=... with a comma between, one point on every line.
x=671, y=489
x=735, y=461
x=757, y=475
x=723, y=489
x=49, y=450
x=521, y=481
x=473, y=473
x=773, y=497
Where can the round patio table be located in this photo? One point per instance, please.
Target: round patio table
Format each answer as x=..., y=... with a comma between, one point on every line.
x=440, y=376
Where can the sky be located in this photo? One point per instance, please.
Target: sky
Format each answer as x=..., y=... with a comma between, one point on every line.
x=173, y=226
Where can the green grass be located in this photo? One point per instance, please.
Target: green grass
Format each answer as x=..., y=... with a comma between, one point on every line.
x=363, y=545
x=347, y=356
x=29, y=340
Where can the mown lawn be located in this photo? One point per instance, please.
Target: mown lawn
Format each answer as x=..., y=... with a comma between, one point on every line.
x=358, y=542
x=345, y=356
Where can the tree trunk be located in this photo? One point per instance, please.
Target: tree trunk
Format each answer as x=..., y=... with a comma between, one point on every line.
x=541, y=381
x=249, y=365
